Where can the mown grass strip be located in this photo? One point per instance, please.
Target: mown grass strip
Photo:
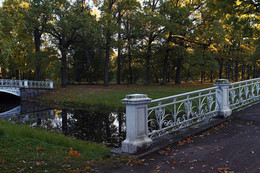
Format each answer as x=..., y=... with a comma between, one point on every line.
x=23, y=148
x=111, y=96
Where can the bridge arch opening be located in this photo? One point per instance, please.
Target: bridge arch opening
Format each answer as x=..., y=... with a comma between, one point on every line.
x=7, y=98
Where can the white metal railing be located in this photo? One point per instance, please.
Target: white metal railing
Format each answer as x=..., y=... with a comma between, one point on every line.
x=147, y=119
x=177, y=112
x=25, y=83
x=243, y=93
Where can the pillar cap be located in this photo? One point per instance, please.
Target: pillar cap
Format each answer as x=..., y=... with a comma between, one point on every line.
x=222, y=82
x=136, y=98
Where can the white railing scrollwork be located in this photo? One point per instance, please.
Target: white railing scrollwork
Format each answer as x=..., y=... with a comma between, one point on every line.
x=244, y=92
x=25, y=83
x=147, y=119
x=177, y=112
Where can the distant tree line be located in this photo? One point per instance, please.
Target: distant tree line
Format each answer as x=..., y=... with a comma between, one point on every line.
x=129, y=41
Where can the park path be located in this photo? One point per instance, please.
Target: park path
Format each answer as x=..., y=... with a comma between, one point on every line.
x=233, y=146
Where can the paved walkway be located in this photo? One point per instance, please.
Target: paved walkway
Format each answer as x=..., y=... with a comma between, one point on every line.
x=233, y=146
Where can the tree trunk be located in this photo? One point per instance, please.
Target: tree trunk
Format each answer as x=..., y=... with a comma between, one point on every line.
x=17, y=74
x=119, y=50
x=221, y=68
x=254, y=71
x=37, y=43
x=108, y=40
x=232, y=70
x=204, y=76
x=178, y=71
x=108, y=130
x=63, y=69
x=119, y=65
x=64, y=122
x=236, y=70
x=243, y=71
x=130, y=64
x=120, y=124
x=228, y=70
x=248, y=71
x=201, y=77
x=211, y=76
x=165, y=62
x=148, y=60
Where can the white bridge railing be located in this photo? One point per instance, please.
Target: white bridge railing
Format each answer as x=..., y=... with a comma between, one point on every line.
x=147, y=119
x=177, y=112
x=26, y=83
x=243, y=93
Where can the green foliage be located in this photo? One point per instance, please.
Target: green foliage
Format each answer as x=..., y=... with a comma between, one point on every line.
x=152, y=39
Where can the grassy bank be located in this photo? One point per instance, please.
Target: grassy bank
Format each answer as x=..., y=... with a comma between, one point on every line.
x=111, y=96
x=25, y=149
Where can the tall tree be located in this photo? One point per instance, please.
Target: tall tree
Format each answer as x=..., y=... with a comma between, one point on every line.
x=68, y=20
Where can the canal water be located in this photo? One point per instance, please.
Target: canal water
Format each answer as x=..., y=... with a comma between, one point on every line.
x=98, y=124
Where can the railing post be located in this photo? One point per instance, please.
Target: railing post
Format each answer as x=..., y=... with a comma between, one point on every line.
x=136, y=123
x=222, y=96
x=26, y=84
x=20, y=83
x=51, y=84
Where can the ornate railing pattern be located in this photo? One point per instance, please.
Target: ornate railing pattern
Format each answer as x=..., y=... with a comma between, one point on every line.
x=243, y=93
x=147, y=119
x=180, y=111
x=25, y=83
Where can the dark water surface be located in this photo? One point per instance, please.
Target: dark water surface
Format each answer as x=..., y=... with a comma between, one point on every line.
x=98, y=124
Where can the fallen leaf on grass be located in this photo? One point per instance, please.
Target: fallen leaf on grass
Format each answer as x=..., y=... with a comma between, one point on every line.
x=168, y=148
x=222, y=170
x=2, y=161
x=87, y=168
x=249, y=123
x=40, y=149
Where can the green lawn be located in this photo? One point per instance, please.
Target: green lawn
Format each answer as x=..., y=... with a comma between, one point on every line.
x=111, y=96
x=25, y=149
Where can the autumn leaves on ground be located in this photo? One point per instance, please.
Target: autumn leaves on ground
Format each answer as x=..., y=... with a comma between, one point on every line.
x=25, y=149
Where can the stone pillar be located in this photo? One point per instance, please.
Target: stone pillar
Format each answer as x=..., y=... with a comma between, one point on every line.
x=51, y=84
x=26, y=84
x=222, y=97
x=136, y=124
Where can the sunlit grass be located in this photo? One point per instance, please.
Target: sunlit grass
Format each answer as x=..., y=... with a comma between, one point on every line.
x=111, y=96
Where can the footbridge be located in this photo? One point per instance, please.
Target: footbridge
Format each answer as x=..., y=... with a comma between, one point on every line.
x=24, y=88
x=150, y=120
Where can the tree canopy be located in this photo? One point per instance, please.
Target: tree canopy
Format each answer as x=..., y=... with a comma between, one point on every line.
x=129, y=41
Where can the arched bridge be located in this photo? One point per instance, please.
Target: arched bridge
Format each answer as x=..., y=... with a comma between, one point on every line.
x=24, y=88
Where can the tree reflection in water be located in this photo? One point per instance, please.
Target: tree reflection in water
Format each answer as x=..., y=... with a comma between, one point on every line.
x=102, y=125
